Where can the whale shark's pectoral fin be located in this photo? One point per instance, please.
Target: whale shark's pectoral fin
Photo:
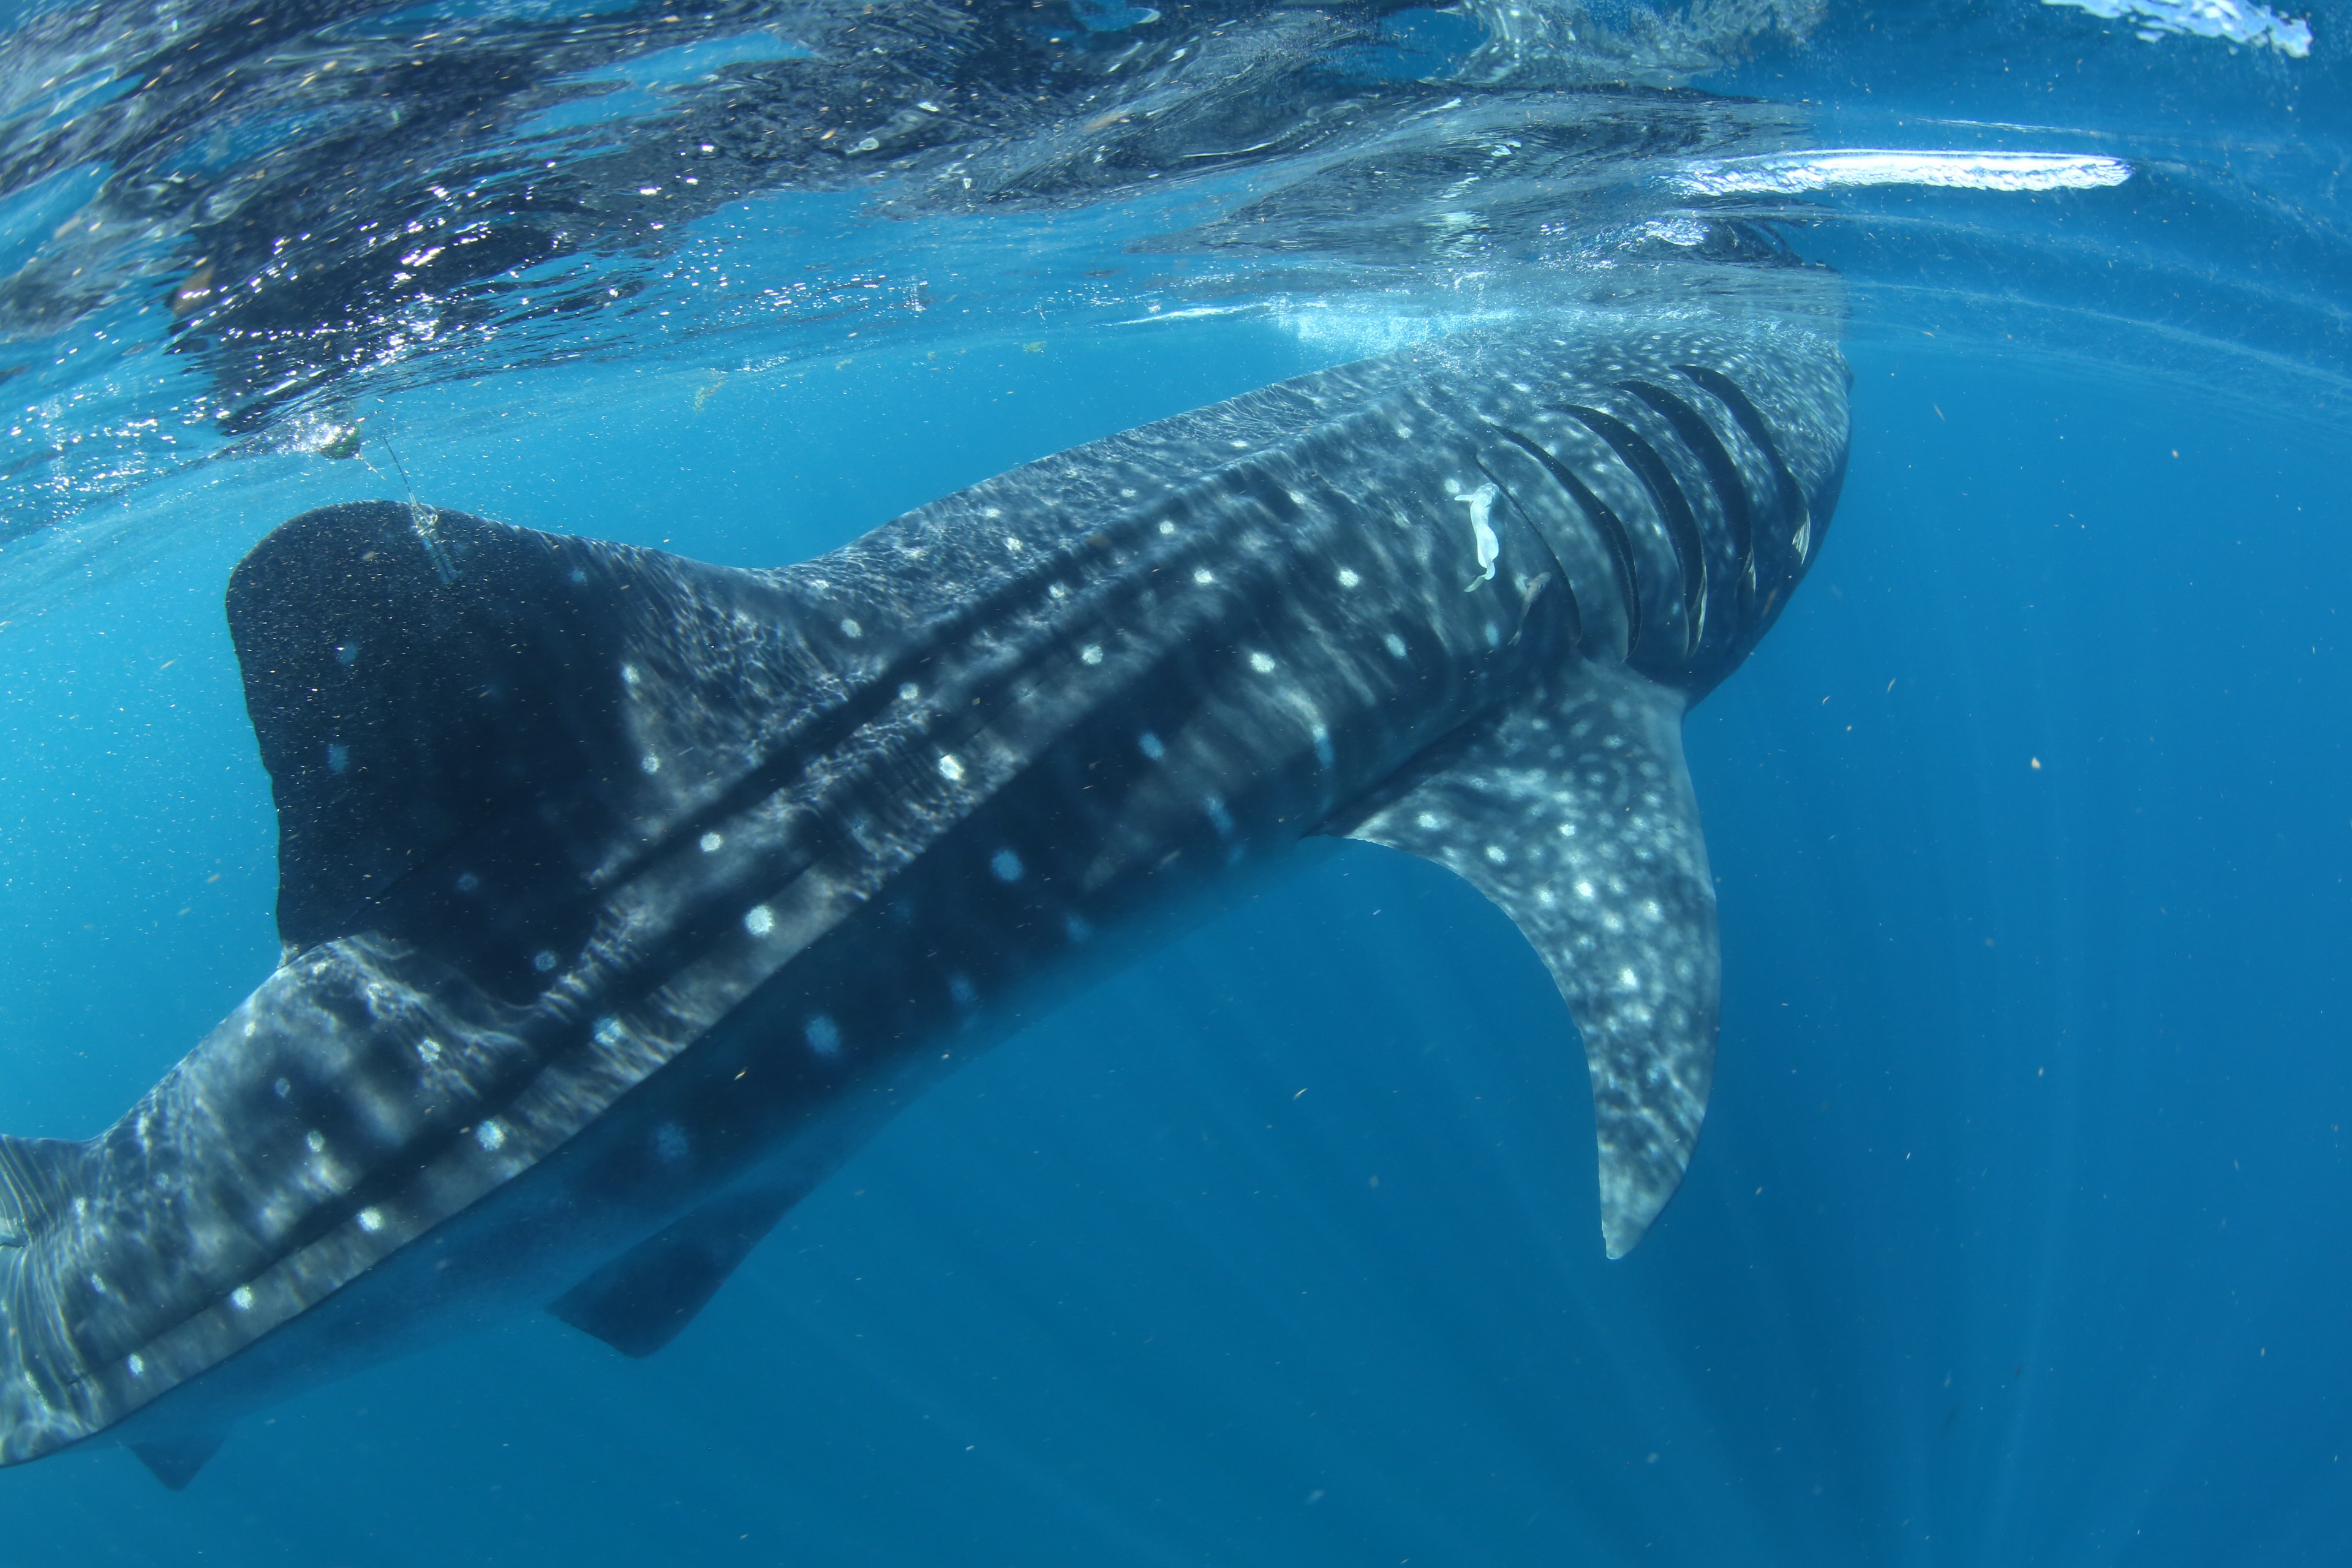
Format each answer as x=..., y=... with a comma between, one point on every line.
x=1575, y=815
x=175, y=1461
x=644, y=1299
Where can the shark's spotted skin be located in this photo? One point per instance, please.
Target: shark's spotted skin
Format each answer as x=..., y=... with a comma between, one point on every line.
x=1574, y=813
x=624, y=896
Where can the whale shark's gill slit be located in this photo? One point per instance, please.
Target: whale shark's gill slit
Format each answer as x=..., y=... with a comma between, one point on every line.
x=1559, y=567
x=1795, y=515
x=1611, y=526
x=1699, y=437
x=1674, y=508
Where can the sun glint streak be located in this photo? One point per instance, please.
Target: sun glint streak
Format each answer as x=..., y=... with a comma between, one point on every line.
x=1849, y=168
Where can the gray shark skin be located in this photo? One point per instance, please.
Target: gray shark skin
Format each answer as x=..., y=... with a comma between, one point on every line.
x=624, y=896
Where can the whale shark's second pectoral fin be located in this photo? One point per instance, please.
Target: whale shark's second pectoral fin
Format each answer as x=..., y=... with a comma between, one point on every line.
x=644, y=1299
x=175, y=1461
x=1575, y=815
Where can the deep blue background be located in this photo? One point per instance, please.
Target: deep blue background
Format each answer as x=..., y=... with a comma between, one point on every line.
x=2019, y=1232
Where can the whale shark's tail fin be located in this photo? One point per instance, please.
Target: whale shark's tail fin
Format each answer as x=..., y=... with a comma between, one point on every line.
x=1575, y=815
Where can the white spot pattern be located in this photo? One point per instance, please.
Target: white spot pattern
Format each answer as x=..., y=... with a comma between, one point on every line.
x=823, y=1035
x=1613, y=892
x=1219, y=817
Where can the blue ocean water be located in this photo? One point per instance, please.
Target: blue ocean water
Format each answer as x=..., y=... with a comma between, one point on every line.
x=2021, y=1217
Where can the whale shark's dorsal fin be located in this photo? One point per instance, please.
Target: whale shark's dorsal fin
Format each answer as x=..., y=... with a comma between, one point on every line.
x=1575, y=815
x=175, y=1461
x=413, y=676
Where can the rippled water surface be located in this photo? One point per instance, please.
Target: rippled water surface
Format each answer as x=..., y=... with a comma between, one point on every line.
x=2019, y=1224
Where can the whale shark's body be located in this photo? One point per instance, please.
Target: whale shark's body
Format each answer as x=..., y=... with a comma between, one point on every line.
x=624, y=896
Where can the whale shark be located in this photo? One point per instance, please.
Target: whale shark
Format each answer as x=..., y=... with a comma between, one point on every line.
x=622, y=896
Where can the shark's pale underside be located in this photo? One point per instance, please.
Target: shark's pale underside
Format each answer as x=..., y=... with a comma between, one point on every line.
x=624, y=896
